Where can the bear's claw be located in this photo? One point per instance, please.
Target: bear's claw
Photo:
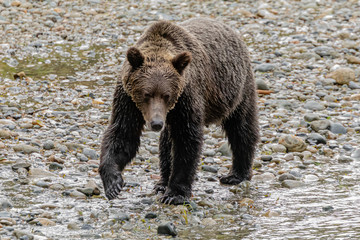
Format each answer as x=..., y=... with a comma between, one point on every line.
x=113, y=185
x=159, y=187
x=174, y=200
x=231, y=179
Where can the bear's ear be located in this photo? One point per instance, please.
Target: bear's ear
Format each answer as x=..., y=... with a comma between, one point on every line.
x=135, y=57
x=180, y=61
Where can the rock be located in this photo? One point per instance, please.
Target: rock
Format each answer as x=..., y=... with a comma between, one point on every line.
x=77, y=195
x=265, y=177
x=208, y=222
x=261, y=85
x=325, y=51
x=55, y=166
x=225, y=150
x=337, y=128
x=286, y=176
x=315, y=138
x=278, y=148
x=150, y=215
x=293, y=143
x=353, y=60
x=92, y=184
x=87, y=191
x=208, y=168
x=265, y=67
x=167, y=229
x=38, y=173
x=25, y=148
x=342, y=75
x=320, y=125
x=6, y=134
x=345, y=159
x=5, y=204
x=25, y=165
x=48, y=145
x=15, y=3
x=266, y=158
x=43, y=222
x=292, y=183
x=310, y=117
x=311, y=178
x=73, y=226
x=121, y=217
x=314, y=105
x=23, y=235
x=246, y=202
x=356, y=154
x=354, y=85
x=90, y=153
x=355, y=97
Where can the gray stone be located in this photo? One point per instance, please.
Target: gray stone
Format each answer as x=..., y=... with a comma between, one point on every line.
x=261, y=85
x=5, y=204
x=121, y=217
x=225, y=150
x=266, y=158
x=356, y=154
x=23, y=235
x=48, y=145
x=337, y=128
x=87, y=191
x=345, y=159
x=315, y=138
x=295, y=174
x=55, y=166
x=320, y=125
x=342, y=75
x=310, y=117
x=25, y=165
x=90, y=153
x=292, y=183
x=208, y=168
x=25, y=148
x=167, y=229
x=82, y=157
x=49, y=23
x=325, y=51
x=314, y=105
x=265, y=67
x=150, y=215
x=286, y=176
x=354, y=85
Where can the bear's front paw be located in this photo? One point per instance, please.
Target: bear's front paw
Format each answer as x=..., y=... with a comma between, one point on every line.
x=174, y=199
x=232, y=179
x=113, y=183
x=160, y=187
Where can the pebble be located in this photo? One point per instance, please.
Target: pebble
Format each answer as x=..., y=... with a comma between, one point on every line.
x=208, y=168
x=43, y=222
x=356, y=154
x=314, y=105
x=292, y=183
x=5, y=204
x=315, y=138
x=265, y=177
x=150, y=215
x=225, y=150
x=320, y=125
x=167, y=229
x=293, y=143
x=337, y=128
x=265, y=67
x=261, y=85
x=310, y=117
x=27, y=149
x=286, y=176
x=208, y=222
x=48, y=145
x=55, y=166
x=17, y=166
x=342, y=75
x=90, y=153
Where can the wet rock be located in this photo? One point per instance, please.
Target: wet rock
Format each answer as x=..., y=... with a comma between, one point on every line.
x=265, y=177
x=265, y=67
x=25, y=148
x=292, y=184
x=315, y=138
x=151, y=215
x=342, y=75
x=320, y=125
x=208, y=168
x=208, y=222
x=167, y=229
x=293, y=143
x=314, y=105
x=286, y=176
x=337, y=128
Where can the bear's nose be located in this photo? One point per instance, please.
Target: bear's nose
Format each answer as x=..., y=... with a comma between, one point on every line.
x=156, y=125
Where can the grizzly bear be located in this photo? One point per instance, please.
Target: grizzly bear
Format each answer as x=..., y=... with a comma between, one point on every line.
x=176, y=79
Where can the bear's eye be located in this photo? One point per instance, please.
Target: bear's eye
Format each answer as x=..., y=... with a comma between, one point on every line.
x=166, y=97
x=147, y=96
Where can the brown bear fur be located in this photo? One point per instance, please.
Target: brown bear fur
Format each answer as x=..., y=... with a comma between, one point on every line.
x=178, y=78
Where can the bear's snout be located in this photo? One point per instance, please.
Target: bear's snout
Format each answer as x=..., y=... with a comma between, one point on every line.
x=156, y=125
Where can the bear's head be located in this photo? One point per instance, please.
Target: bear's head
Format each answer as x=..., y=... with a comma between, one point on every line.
x=155, y=82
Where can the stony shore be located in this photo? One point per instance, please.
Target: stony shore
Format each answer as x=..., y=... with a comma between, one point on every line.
x=58, y=66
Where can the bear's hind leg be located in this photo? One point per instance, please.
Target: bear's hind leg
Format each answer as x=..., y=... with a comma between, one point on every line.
x=242, y=130
x=165, y=161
